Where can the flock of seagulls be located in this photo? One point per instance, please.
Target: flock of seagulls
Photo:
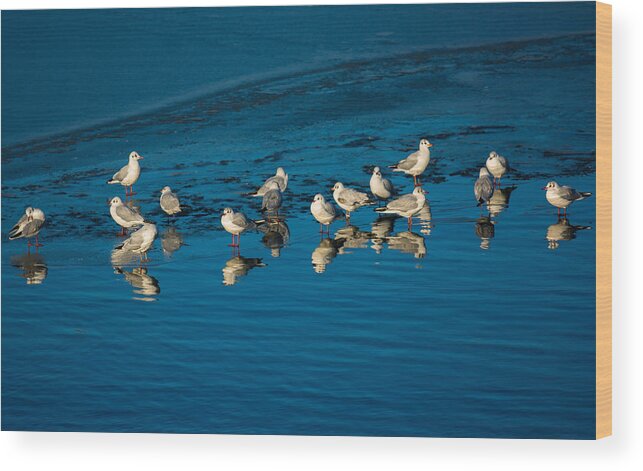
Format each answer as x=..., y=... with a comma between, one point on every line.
x=486, y=189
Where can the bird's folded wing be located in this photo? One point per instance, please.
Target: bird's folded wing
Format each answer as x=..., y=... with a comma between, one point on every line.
x=403, y=203
x=122, y=173
x=128, y=214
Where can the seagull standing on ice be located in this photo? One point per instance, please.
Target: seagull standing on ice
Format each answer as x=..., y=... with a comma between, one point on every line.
x=497, y=165
x=272, y=198
x=381, y=187
x=406, y=206
x=128, y=175
x=323, y=212
x=29, y=226
x=483, y=187
x=169, y=201
x=563, y=196
x=281, y=177
x=416, y=163
x=236, y=223
x=123, y=215
x=348, y=199
x=140, y=241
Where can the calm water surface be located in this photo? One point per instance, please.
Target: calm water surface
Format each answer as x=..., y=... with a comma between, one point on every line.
x=465, y=326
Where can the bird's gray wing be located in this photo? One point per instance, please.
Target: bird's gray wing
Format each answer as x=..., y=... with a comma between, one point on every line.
x=32, y=227
x=170, y=202
x=568, y=193
x=271, y=200
x=503, y=161
x=403, y=203
x=20, y=222
x=122, y=173
x=128, y=214
x=241, y=220
x=134, y=241
x=329, y=208
x=483, y=189
x=388, y=185
x=350, y=196
x=409, y=162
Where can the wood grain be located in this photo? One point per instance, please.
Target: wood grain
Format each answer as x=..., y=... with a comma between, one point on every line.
x=603, y=220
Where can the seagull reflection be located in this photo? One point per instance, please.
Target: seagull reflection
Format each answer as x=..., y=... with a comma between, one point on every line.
x=324, y=254
x=562, y=230
x=276, y=236
x=408, y=242
x=425, y=218
x=145, y=285
x=237, y=267
x=486, y=230
x=171, y=241
x=33, y=266
x=352, y=237
x=380, y=230
x=499, y=200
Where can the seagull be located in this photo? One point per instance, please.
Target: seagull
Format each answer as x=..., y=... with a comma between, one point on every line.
x=562, y=230
x=381, y=187
x=483, y=187
x=128, y=175
x=406, y=206
x=169, y=201
x=236, y=223
x=497, y=165
x=563, y=196
x=140, y=241
x=323, y=212
x=124, y=216
x=348, y=199
x=272, y=197
x=281, y=177
x=416, y=163
x=28, y=226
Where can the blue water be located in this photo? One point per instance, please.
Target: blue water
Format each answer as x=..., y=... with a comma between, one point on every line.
x=377, y=332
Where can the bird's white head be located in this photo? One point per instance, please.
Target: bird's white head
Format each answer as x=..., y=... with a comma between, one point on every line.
x=134, y=156
x=493, y=155
x=319, y=198
x=227, y=211
x=551, y=186
x=281, y=172
x=376, y=171
x=338, y=186
x=38, y=214
x=484, y=172
x=166, y=189
x=425, y=144
x=115, y=200
x=419, y=191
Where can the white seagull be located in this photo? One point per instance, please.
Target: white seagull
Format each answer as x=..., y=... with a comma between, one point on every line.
x=272, y=198
x=348, y=199
x=416, y=163
x=28, y=226
x=140, y=241
x=406, y=206
x=123, y=215
x=236, y=223
x=381, y=187
x=128, y=175
x=281, y=177
x=169, y=201
x=497, y=165
x=563, y=196
x=323, y=212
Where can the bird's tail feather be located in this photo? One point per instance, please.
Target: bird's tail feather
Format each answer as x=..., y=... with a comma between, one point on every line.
x=15, y=235
x=112, y=182
x=585, y=194
x=381, y=210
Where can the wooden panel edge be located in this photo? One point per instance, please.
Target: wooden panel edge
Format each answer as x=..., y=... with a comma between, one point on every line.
x=603, y=220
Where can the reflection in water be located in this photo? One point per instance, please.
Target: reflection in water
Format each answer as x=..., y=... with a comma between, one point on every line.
x=499, y=200
x=352, y=237
x=408, y=242
x=276, y=236
x=486, y=230
x=324, y=254
x=171, y=241
x=237, y=267
x=145, y=285
x=425, y=218
x=33, y=266
x=562, y=230
x=380, y=230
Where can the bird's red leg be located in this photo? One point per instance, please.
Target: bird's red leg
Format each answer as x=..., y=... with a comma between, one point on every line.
x=38, y=244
